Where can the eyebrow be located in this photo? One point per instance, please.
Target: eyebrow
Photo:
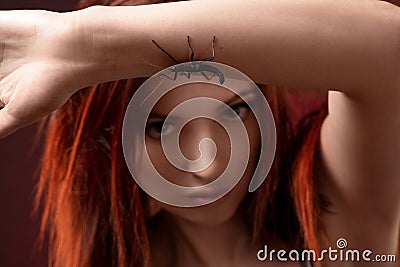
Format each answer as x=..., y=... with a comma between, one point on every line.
x=228, y=102
x=236, y=96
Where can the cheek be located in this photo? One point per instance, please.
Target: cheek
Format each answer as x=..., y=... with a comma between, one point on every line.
x=159, y=160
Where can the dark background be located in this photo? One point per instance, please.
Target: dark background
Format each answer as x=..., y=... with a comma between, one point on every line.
x=18, y=162
x=60, y=5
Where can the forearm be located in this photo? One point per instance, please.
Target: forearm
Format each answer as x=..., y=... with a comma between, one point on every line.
x=345, y=45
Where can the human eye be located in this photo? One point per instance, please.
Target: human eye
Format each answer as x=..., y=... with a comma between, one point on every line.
x=241, y=109
x=155, y=129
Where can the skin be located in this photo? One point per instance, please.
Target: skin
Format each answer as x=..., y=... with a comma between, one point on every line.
x=213, y=234
x=218, y=217
x=349, y=48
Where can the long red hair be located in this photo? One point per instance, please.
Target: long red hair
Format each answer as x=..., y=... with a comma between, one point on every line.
x=96, y=214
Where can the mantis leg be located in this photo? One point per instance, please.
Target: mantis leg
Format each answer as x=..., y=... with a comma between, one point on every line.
x=205, y=76
x=187, y=75
x=172, y=79
x=213, y=52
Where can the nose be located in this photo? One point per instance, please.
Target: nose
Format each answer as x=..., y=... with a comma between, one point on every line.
x=198, y=140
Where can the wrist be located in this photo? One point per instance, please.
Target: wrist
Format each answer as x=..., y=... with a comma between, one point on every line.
x=83, y=47
x=107, y=47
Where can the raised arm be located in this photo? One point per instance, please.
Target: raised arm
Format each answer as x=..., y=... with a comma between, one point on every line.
x=313, y=44
x=346, y=45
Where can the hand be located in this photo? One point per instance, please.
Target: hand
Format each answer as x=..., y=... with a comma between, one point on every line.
x=36, y=75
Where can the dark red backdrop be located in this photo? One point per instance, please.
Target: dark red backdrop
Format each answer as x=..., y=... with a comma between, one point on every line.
x=18, y=162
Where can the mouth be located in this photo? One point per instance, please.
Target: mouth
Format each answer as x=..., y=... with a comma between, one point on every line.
x=205, y=195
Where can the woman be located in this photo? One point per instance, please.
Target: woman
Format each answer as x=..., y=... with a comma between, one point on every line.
x=334, y=176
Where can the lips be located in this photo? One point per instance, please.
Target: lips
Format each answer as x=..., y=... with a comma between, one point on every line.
x=205, y=193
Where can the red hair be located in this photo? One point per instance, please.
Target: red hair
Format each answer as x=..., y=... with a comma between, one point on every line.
x=89, y=199
x=96, y=214
x=290, y=193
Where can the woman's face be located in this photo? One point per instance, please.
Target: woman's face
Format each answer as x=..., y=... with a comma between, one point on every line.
x=189, y=138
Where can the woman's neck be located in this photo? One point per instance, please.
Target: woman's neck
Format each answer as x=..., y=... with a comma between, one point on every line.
x=186, y=243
